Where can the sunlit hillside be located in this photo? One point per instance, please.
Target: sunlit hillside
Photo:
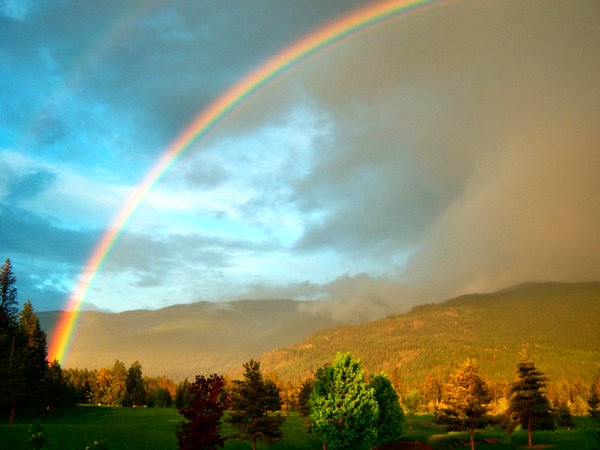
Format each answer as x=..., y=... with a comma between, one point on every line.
x=560, y=322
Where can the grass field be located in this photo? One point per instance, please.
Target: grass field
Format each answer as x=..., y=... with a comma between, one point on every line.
x=153, y=428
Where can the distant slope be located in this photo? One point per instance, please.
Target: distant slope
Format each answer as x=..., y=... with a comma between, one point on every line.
x=185, y=340
x=561, y=322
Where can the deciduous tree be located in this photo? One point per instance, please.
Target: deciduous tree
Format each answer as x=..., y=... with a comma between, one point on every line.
x=412, y=403
x=303, y=400
x=253, y=404
x=390, y=415
x=206, y=402
x=343, y=408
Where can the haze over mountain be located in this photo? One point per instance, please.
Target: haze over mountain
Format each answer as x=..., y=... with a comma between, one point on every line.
x=559, y=321
x=183, y=340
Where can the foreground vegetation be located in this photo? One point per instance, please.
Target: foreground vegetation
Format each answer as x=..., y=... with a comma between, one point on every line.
x=153, y=428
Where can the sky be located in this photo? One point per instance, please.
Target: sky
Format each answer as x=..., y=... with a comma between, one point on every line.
x=450, y=150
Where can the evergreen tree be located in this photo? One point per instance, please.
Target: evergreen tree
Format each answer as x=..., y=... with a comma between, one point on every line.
x=206, y=403
x=467, y=402
x=343, y=408
x=135, y=393
x=528, y=404
x=8, y=296
x=32, y=355
x=9, y=373
x=390, y=416
x=253, y=402
x=55, y=391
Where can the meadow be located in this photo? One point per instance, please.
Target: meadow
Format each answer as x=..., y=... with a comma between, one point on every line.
x=153, y=428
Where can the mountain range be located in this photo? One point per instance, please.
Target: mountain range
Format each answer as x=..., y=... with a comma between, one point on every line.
x=560, y=322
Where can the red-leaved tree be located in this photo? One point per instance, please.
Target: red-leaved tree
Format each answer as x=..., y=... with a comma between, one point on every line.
x=206, y=402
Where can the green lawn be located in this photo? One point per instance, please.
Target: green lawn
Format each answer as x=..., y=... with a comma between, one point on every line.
x=153, y=428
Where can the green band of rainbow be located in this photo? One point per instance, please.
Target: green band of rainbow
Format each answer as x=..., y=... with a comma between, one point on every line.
x=339, y=29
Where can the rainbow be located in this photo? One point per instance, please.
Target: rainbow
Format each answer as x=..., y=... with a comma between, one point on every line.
x=335, y=31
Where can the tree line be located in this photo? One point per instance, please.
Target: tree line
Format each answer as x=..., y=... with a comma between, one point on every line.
x=29, y=381
x=350, y=409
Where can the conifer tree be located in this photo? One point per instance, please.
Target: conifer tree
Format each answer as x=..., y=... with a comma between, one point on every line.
x=8, y=296
x=206, y=402
x=135, y=392
x=343, y=408
x=528, y=404
x=253, y=402
x=32, y=354
x=467, y=401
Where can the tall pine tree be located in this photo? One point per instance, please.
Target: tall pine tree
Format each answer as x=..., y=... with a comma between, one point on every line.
x=32, y=355
x=529, y=405
x=254, y=402
x=8, y=296
x=10, y=389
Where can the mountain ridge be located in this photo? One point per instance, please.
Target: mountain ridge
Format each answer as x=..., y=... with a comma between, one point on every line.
x=559, y=321
x=293, y=338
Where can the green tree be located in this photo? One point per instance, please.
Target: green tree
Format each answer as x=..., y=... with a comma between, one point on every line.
x=206, y=403
x=8, y=295
x=118, y=383
x=160, y=398
x=181, y=393
x=390, y=415
x=467, y=402
x=55, y=390
x=10, y=388
x=253, y=403
x=412, y=403
x=135, y=392
x=528, y=404
x=32, y=355
x=343, y=408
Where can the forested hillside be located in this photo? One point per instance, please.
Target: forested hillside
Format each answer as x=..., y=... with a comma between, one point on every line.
x=184, y=340
x=560, y=322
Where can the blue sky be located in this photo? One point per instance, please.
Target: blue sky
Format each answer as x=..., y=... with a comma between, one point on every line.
x=452, y=150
